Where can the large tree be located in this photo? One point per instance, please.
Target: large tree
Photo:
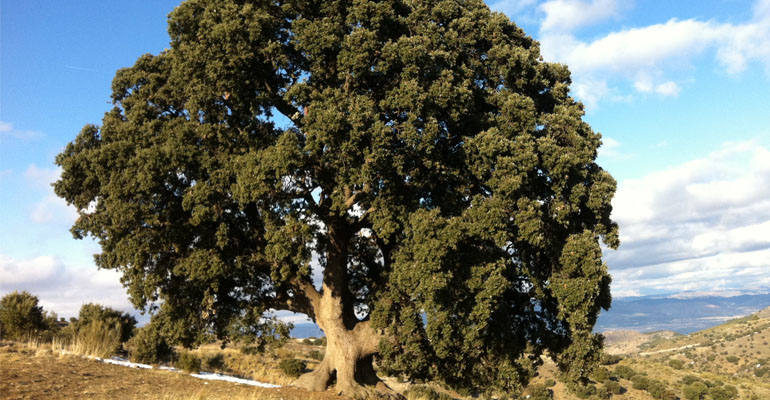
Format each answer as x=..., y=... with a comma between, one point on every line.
x=421, y=152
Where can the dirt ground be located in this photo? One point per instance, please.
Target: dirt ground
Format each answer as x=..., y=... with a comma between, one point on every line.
x=27, y=373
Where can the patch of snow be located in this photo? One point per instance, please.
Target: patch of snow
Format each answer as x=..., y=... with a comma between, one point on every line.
x=123, y=362
x=226, y=378
x=201, y=375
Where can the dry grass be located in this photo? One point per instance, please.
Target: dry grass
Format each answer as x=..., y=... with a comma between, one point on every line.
x=37, y=371
x=260, y=367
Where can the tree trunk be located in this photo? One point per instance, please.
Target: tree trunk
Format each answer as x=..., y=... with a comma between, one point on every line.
x=348, y=354
x=350, y=343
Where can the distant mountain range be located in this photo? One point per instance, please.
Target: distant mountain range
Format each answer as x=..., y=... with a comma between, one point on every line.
x=682, y=313
x=306, y=330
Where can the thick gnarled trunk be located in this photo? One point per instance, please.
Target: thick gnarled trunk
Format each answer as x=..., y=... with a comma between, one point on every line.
x=350, y=343
x=349, y=352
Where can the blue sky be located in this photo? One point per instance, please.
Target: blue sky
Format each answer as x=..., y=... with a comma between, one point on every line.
x=680, y=91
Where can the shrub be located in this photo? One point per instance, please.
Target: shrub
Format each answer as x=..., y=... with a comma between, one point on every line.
x=582, y=391
x=316, y=355
x=610, y=359
x=149, y=346
x=688, y=379
x=214, y=362
x=539, y=392
x=251, y=350
x=292, y=367
x=659, y=390
x=20, y=316
x=727, y=392
x=640, y=382
x=320, y=341
x=613, y=387
x=188, y=362
x=98, y=338
x=694, y=391
x=624, y=372
x=550, y=382
x=94, y=312
x=601, y=374
x=603, y=393
x=422, y=392
x=676, y=364
x=733, y=359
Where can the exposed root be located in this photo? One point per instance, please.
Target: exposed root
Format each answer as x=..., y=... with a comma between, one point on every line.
x=366, y=384
x=317, y=380
x=381, y=391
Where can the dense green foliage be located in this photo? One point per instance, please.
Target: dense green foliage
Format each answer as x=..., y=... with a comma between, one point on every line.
x=726, y=392
x=423, y=149
x=188, y=362
x=91, y=313
x=21, y=317
x=624, y=371
x=292, y=367
x=613, y=387
x=149, y=346
x=694, y=391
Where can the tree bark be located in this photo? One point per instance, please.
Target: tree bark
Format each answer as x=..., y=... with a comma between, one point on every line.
x=350, y=343
x=348, y=355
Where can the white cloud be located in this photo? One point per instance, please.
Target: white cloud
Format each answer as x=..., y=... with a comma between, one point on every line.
x=51, y=208
x=636, y=48
x=568, y=15
x=640, y=54
x=62, y=288
x=667, y=89
x=612, y=149
x=644, y=83
x=41, y=177
x=702, y=225
x=8, y=131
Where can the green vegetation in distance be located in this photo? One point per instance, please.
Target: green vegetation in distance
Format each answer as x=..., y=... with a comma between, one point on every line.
x=21, y=318
x=422, y=149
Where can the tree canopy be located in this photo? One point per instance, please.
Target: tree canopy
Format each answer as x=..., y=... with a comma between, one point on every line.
x=420, y=155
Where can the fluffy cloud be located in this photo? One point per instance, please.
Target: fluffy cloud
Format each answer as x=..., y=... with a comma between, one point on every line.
x=645, y=85
x=62, y=288
x=703, y=225
x=568, y=15
x=650, y=51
